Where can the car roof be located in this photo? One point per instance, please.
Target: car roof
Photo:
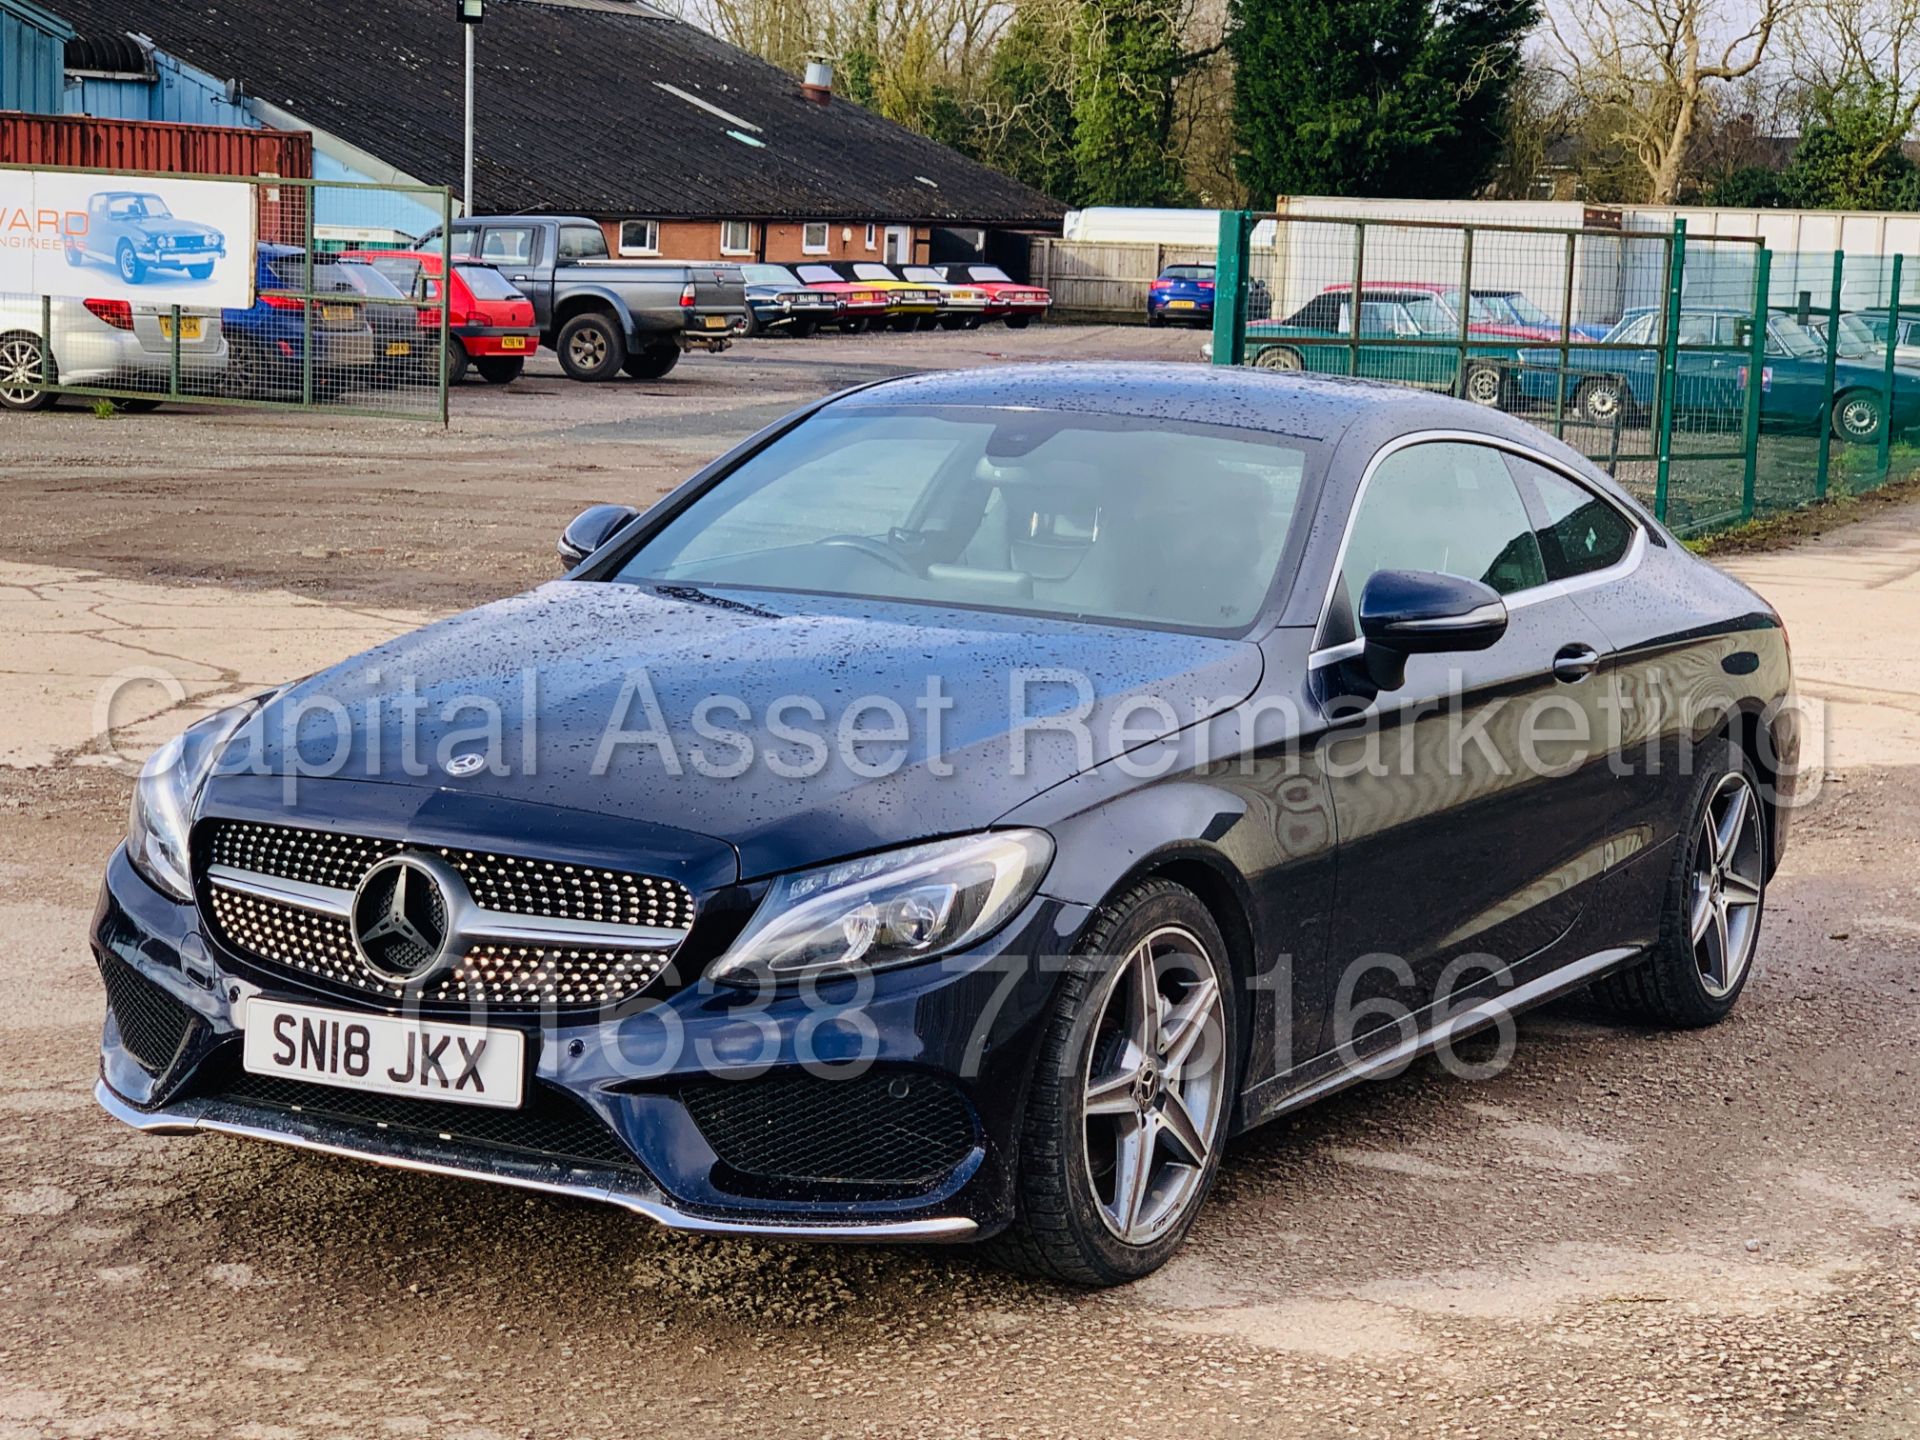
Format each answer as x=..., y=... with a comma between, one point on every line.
x=1309, y=407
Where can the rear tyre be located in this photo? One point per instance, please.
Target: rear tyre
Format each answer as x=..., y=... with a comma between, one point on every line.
x=457, y=362
x=753, y=326
x=1485, y=385
x=903, y=324
x=20, y=374
x=1154, y=322
x=1601, y=400
x=1131, y=1091
x=952, y=322
x=591, y=348
x=500, y=369
x=1278, y=357
x=1710, y=918
x=1857, y=417
x=801, y=329
x=653, y=362
x=1019, y=322
x=136, y=407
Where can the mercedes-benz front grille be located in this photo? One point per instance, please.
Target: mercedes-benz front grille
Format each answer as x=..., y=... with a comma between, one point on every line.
x=533, y=932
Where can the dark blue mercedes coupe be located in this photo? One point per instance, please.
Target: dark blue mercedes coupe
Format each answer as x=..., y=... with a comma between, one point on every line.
x=960, y=809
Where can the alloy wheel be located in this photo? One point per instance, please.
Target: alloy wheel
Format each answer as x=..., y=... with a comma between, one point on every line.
x=588, y=349
x=19, y=370
x=1601, y=403
x=1859, y=418
x=1729, y=857
x=1154, y=1085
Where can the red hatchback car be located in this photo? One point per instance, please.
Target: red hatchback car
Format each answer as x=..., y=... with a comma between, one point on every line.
x=490, y=324
x=1007, y=298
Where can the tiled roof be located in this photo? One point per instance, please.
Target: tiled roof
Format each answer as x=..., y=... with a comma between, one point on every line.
x=594, y=107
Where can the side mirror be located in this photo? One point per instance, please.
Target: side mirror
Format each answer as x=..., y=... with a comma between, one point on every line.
x=590, y=529
x=1422, y=612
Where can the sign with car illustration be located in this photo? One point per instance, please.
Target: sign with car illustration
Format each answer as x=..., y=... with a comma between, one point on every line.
x=152, y=239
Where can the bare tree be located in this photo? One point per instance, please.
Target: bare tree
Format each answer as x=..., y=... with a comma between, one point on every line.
x=1867, y=49
x=1655, y=68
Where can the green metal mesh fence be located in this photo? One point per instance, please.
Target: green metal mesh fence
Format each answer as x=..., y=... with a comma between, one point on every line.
x=1712, y=378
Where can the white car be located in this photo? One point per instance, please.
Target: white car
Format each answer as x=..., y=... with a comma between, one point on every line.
x=109, y=344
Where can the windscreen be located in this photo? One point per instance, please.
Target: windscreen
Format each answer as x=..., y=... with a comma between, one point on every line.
x=769, y=275
x=1055, y=513
x=990, y=272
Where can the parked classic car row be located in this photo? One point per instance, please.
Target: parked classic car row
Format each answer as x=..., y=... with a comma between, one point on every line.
x=1508, y=353
x=857, y=295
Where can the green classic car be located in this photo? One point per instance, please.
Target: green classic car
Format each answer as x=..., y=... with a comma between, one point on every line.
x=1415, y=339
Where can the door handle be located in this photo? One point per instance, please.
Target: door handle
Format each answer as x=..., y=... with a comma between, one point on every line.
x=1575, y=663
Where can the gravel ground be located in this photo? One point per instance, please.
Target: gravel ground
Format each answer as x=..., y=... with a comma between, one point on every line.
x=1622, y=1233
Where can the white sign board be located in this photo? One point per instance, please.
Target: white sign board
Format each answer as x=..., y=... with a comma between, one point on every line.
x=153, y=241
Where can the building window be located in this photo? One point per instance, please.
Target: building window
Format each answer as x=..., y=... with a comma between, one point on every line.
x=639, y=237
x=873, y=232
x=736, y=237
x=813, y=238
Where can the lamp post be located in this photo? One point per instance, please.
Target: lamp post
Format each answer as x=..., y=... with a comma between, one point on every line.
x=471, y=13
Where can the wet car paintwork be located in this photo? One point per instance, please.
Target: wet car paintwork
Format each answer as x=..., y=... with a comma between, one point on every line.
x=1308, y=866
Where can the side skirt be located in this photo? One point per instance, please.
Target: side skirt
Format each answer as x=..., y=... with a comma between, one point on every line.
x=1300, y=1088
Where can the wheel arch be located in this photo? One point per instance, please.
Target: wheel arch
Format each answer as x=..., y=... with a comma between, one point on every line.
x=597, y=301
x=1217, y=883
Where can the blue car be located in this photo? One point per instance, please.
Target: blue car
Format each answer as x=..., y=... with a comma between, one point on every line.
x=956, y=814
x=134, y=231
x=1181, y=294
x=267, y=341
x=778, y=300
x=1606, y=386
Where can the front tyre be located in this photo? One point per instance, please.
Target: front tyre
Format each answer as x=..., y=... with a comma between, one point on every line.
x=131, y=268
x=1716, y=894
x=1131, y=1094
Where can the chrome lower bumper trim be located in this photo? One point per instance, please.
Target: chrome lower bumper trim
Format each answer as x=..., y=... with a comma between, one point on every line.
x=950, y=1227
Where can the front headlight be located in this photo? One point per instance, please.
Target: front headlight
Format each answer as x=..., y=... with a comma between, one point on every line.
x=166, y=795
x=888, y=909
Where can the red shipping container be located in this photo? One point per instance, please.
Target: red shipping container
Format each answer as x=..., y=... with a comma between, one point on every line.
x=80, y=141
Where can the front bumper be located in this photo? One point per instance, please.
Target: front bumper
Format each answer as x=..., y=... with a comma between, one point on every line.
x=154, y=255
x=630, y=1078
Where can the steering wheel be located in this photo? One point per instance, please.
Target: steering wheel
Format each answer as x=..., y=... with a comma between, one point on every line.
x=879, y=550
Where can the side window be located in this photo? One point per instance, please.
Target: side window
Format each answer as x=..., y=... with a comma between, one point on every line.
x=1638, y=333
x=507, y=245
x=1583, y=532
x=582, y=242
x=1443, y=506
x=1320, y=313
x=1696, y=329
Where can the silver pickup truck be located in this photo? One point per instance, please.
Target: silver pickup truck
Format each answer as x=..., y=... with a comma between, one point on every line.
x=602, y=315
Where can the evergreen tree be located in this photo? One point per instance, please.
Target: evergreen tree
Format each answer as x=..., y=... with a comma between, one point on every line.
x=1373, y=97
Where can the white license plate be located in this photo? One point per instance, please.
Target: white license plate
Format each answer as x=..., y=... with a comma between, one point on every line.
x=395, y=1056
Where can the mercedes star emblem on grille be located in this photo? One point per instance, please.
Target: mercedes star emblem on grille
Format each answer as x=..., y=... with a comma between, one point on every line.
x=401, y=920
